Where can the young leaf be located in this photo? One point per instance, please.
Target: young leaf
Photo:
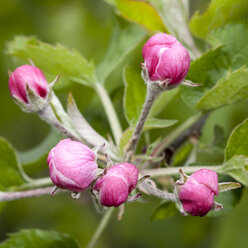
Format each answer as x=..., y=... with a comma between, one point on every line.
x=150, y=123
x=121, y=43
x=229, y=54
x=141, y=13
x=238, y=143
x=10, y=174
x=233, y=39
x=164, y=211
x=53, y=60
x=135, y=93
x=206, y=70
x=86, y=132
x=223, y=187
x=40, y=239
x=218, y=14
x=230, y=89
x=236, y=167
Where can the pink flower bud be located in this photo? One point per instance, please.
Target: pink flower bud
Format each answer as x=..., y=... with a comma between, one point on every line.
x=72, y=165
x=197, y=193
x=165, y=58
x=116, y=184
x=31, y=76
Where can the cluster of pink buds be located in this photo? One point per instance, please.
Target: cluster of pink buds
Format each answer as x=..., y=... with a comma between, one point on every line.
x=166, y=61
x=73, y=166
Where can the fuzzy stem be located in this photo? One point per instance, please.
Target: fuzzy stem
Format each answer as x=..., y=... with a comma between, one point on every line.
x=132, y=144
x=10, y=196
x=149, y=187
x=100, y=228
x=110, y=112
x=36, y=183
x=174, y=171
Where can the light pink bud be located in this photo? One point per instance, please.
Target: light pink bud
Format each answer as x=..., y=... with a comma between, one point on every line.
x=197, y=193
x=165, y=58
x=72, y=165
x=116, y=184
x=27, y=75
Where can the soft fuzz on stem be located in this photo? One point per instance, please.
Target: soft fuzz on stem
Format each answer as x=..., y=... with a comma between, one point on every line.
x=10, y=196
x=152, y=93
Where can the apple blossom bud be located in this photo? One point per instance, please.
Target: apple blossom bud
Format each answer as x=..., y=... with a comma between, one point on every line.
x=72, y=165
x=197, y=193
x=116, y=184
x=165, y=59
x=31, y=76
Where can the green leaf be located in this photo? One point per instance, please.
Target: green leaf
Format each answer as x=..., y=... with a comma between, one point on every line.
x=53, y=60
x=230, y=53
x=206, y=70
x=123, y=41
x=238, y=143
x=233, y=39
x=223, y=187
x=126, y=136
x=236, y=167
x=218, y=14
x=135, y=93
x=164, y=211
x=141, y=13
x=150, y=123
x=10, y=174
x=39, y=239
x=230, y=89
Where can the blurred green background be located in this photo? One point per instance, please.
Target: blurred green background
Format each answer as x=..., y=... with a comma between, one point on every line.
x=86, y=25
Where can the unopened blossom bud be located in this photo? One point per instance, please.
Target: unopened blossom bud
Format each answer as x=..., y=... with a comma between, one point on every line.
x=116, y=184
x=197, y=193
x=29, y=87
x=72, y=165
x=165, y=59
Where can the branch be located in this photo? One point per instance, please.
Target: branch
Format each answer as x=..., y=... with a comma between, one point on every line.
x=10, y=196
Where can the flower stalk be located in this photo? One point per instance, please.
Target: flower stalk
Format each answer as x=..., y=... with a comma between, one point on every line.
x=152, y=93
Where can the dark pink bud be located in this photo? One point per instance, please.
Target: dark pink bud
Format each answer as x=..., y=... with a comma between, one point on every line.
x=116, y=184
x=165, y=58
x=197, y=193
x=27, y=75
x=72, y=165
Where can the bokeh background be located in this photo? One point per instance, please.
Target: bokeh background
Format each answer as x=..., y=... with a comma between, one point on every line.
x=86, y=25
